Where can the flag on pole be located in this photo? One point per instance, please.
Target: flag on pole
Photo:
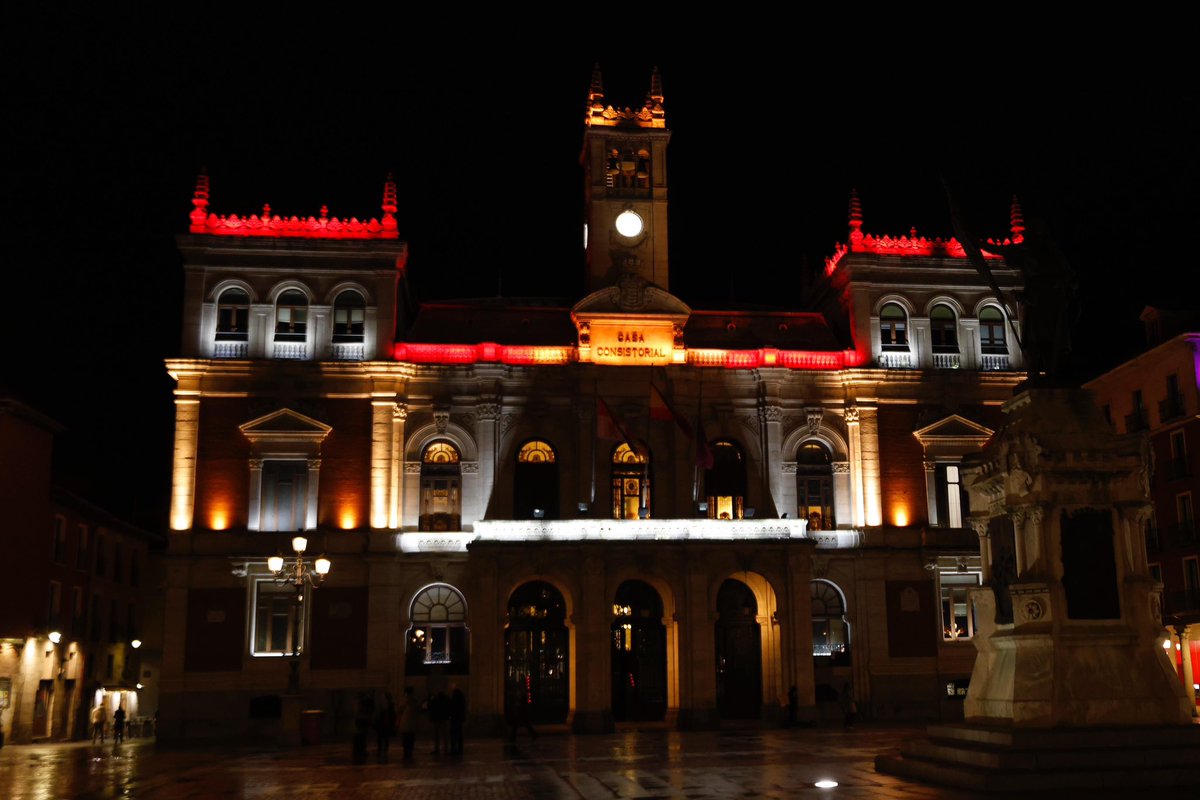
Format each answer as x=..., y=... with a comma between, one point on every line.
x=607, y=425
x=661, y=410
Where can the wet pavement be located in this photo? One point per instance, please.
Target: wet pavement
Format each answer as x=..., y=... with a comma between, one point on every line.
x=655, y=764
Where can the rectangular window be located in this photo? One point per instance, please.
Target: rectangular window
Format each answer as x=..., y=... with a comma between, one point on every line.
x=274, y=607
x=951, y=496
x=1179, y=459
x=118, y=569
x=114, y=634
x=81, y=553
x=958, y=617
x=99, y=556
x=1184, y=512
x=1156, y=572
x=284, y=496
x=60, y=540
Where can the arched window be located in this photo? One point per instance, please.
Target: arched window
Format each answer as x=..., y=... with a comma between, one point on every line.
x=943, y=329
x=438, y=632
x=535, y=490
x=893, y=327
x=991, y=332
x=814, y=486
x=441, y=488
x=233, y=316
x=349, y=315
x=291, y=316
x=725, y=481
x=831, y=632
x=630, y=482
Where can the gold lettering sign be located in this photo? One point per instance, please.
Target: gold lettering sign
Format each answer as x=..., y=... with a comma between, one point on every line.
x=631, y=343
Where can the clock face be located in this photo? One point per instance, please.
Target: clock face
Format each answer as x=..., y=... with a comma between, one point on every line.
x=629, y=223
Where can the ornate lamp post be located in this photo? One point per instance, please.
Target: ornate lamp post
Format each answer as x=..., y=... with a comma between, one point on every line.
x=300, y=573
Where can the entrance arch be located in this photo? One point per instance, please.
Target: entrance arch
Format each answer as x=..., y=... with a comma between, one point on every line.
x=638, y=654
x=739, y=652
x=537, y=684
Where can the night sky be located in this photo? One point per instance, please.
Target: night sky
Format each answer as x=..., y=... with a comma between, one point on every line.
x=113, y=117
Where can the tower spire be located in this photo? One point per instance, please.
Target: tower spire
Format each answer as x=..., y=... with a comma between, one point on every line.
x=199, y=215
x=389, y=203
x=595, y=101
x=1016, y=221
x=654, y=97
x=856, y=220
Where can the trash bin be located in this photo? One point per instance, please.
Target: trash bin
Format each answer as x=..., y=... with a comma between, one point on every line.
x=310, y=726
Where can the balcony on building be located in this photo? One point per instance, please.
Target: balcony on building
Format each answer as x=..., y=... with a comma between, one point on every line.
x=1136, y=421
x=1170, y=408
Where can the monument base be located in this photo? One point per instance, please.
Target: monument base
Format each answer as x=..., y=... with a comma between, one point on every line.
x=1001, y=759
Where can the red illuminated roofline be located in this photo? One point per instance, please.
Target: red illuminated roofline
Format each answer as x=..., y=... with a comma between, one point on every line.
x=490, y=352
x=275, y=226
x=907, y=246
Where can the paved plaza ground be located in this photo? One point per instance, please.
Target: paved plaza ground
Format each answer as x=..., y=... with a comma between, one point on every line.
x=655, y=764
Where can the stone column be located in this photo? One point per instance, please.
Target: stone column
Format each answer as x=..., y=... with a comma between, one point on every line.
x=254, y=516
x=869, y=445
x=183, y=477
x=381, y=460
x=1019, y=516
x=1185, y=653
x=314, y=477
x=931, y=490
x=487, y=431
x=771, y=417
x=697, y=641
x=396, y=468
x=1036, y=557
x=856, y=473
x=593, y=688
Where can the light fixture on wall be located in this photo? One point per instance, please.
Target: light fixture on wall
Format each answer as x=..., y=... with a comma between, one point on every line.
x=299, y=573
x=135, y=644
x=539, y=513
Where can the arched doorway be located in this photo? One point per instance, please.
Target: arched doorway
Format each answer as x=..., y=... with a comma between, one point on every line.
x=536, y=655
x=535, y=489
x=639, y=654
x=630, y=482
x=725, y=481
x=441, y=488
x=739, y=652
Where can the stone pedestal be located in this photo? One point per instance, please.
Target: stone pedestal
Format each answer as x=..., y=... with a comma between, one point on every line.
x=1068, y=621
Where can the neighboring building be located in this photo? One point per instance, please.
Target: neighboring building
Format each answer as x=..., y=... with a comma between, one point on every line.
x=1156, y=392
x=69, y=611
x=614, y=509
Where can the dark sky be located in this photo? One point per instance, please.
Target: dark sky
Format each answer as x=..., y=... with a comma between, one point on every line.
x=114, y=115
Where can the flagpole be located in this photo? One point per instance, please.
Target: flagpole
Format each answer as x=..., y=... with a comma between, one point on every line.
x=595, y=435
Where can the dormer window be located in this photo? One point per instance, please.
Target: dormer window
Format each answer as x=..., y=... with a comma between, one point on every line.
x=291, y=316
x=233, y=316
x=943, y=329
x=349, y=315
x=893, y=328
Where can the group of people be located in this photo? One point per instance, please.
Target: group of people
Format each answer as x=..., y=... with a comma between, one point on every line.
x=447, y=714
x=99, y=720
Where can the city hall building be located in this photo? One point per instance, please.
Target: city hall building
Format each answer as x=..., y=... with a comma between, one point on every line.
x=621, y=510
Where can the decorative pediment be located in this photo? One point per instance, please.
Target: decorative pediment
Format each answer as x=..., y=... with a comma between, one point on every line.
x=954, y=429
x=285, y=430
x=631, y=295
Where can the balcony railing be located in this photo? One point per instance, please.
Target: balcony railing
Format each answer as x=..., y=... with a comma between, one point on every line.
x=1171, y=408
x=626, y=530
x=348, y=351
x=947, y=360
x=896, y=360
x=230, y=349
x=995, y=363
x=296, y=351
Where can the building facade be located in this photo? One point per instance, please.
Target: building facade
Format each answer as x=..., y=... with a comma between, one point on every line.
x=71, y=615
x=612, y=511
x=1156, y=393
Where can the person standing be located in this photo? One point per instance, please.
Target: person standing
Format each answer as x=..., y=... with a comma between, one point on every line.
x=98, y=723
x=119, y=725
x=439, y=716
x=385, y=727
x=849, y=706
x=408, y=723
x=458, y=717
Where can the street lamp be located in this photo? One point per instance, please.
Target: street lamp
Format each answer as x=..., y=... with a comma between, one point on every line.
x=299, y=573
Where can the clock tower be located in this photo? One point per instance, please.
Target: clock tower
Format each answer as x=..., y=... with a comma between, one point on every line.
x=625, y=183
